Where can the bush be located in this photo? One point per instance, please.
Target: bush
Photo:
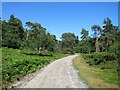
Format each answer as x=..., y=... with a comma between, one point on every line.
x=17, y=63
x=99, y=57
x=115, y=48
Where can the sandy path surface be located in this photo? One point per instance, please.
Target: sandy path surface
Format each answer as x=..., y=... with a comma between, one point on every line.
x=58, y=74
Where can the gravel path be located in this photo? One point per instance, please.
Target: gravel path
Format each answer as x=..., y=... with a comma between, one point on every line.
x=58, y=74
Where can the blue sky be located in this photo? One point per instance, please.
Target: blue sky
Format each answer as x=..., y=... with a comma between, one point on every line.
x=62, y=17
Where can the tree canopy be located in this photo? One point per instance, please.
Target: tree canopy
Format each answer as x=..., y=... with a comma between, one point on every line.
x=34, y=36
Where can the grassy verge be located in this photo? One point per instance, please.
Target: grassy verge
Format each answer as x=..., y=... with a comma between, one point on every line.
x=17, y=63
x=94, y=76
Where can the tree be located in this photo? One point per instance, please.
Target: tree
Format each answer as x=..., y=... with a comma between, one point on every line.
x=69, y=41
x=0, y=32
x=38, y=38
x=97, y=31
x=109, y=34
x=35, y=36
x=84, y=34
x=13, y=32
x=84, y=43
x=52, y=42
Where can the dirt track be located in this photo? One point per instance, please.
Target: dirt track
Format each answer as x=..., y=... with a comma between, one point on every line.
x=58, y=74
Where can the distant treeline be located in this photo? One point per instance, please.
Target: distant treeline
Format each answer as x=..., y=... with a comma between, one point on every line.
x=34, y=36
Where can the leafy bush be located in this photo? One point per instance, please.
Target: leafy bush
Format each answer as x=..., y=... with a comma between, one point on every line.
x=99, y=57
x=16, y=63
x=115, y=48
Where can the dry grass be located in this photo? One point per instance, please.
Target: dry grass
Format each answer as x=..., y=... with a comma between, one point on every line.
x=90, y=74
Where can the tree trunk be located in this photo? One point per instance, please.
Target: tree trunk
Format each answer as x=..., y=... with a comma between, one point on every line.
x=27, y=35
x=97, y=43
x=39, y=50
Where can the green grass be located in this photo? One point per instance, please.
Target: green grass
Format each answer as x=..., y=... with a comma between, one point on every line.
x=110, y=67
x=18, y=63
x=108, y=72
x=96, y=77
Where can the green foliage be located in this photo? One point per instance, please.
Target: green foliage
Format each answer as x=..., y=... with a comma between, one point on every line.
x=17, y=63
x=38, y=39
x=107, y=63
x=85, y=34
x=114, y=48
x=104, y=38
x=69, y=40
x=45, y=47
x=86, y=46
x=13, y=32
x=109, y=34
x=0, y=32
x=34, y=36
x=104, y=75
x=100, y=57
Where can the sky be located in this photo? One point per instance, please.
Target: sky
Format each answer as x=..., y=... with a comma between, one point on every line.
x=61, y=17
x=60, y=0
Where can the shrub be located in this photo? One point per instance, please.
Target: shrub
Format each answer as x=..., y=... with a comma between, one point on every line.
x=99, y=57
x=16, y=63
